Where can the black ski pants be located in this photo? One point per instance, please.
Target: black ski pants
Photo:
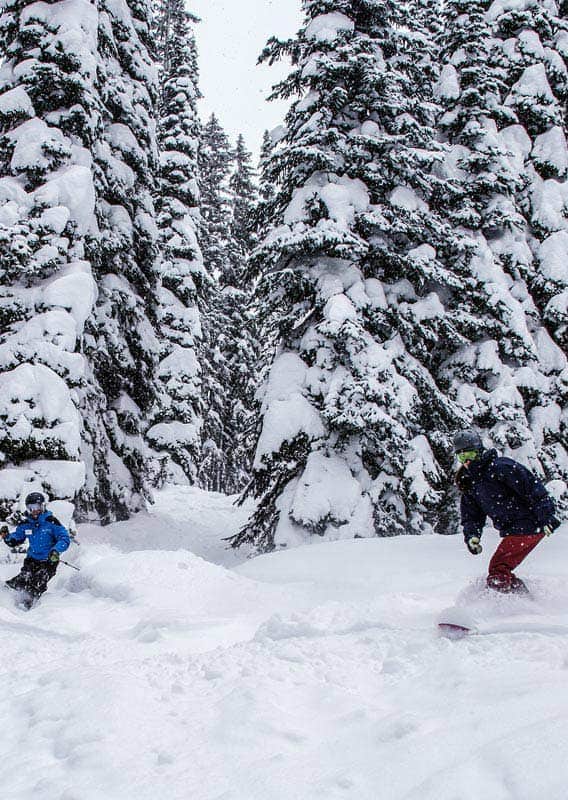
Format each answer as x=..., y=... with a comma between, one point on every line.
x=33, y=577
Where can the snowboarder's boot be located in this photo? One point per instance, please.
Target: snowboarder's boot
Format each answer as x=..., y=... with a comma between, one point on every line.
x=513, y=586
x=498, y=584
x=518, y=586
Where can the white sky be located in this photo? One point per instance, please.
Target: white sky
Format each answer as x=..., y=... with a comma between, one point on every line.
x=230, y=37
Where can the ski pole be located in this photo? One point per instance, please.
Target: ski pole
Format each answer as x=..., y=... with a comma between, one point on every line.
x=67, y=564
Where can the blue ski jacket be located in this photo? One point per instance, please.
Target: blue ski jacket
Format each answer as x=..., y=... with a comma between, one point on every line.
x=508, y=493
x=45, y=534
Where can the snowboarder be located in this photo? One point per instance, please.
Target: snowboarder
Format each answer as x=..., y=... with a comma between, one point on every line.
x=48, y=538
x=516, y=501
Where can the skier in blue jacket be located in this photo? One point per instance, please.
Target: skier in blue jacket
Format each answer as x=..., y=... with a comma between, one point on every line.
x=47, y=537
x=516, y=501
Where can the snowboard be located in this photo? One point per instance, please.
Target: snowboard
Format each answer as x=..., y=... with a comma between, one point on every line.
x=455, y=623
x=479, y=610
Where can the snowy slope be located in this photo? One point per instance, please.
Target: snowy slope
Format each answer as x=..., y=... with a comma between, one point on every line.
x=305, y=674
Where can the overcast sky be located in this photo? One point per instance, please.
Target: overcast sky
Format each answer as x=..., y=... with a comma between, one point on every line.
x=230, y=37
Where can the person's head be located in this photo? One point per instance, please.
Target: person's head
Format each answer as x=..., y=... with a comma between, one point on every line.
x=467, y=446
x=35, y=504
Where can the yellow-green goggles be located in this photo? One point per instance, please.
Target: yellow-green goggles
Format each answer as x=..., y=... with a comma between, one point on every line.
x=467, y=455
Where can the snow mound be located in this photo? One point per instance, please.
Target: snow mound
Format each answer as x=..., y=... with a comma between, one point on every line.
x=169, y=581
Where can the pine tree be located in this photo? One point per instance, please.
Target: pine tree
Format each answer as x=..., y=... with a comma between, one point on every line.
x=264, y=214
x=215, y=163
x=241, y=333
x=77, y=164
x=357, y=269
x=494, y=374
x=177, y=417
x=532, y=52
x=534, y=55
x=266, y=323
x=50, y=120
x=121, y=337
x=266, y=189
x=244, y=199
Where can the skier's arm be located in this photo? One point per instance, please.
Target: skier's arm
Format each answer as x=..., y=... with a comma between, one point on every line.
x=522, y=481
x=16, y=537
x=61, y=534
x=472, y=517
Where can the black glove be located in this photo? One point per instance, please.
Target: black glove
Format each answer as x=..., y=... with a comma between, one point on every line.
x=473, y=544
x=4, y=531
x=549, y=527
x=53, y=557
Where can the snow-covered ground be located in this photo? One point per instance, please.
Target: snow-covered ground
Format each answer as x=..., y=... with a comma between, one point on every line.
x=166, y=669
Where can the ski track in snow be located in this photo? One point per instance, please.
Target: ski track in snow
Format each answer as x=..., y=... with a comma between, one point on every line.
x=305, y=674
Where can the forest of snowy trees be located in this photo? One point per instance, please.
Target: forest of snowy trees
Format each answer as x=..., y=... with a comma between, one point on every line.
x=308, y=332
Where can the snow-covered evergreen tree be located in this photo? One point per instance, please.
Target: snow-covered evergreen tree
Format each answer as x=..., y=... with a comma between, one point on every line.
x=244, y=199
x=215, y=166
x=78, y=248
x=50, y=118
x=266, y=189
x=264, y=213
x=215, y=163
x=533, y=53
x=358, y=270
x=177, y=417
x=495, y=374
x=530, y=50
x=241, y=334
x=121, y=341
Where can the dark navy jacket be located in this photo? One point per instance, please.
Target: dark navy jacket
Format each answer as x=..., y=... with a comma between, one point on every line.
x=45, y=534
x=508, y=493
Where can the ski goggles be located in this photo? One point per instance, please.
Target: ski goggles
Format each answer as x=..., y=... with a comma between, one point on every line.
x=467, y=455
x=34, y=507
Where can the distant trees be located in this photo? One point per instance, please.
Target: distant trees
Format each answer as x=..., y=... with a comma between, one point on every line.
x=229, y=198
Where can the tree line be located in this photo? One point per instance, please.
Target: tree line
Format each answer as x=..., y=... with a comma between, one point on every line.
x=310, y=336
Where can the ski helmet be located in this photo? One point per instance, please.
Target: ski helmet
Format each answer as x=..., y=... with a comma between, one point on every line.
x=467, y=440
x=35, y=499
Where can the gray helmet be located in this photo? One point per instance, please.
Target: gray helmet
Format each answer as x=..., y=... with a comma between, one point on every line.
x=467, y=440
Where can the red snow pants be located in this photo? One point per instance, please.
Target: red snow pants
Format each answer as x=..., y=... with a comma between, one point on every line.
x=511, y=551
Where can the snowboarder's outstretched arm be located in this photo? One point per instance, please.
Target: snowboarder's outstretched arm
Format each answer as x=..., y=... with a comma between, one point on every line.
x=15, y=538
